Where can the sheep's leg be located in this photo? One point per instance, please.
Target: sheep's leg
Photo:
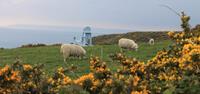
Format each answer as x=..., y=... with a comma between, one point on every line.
x=72, y=57
x=80, y=57
x=136, y=49
x=121, y=50
x=64, y=60
x=124, y=50
x=75, y=57
x=65, y=56
x=84, y=57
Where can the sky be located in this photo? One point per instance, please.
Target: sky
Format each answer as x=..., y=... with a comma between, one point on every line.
x=112, y=14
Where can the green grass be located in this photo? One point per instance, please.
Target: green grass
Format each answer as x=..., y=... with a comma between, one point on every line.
x=52, y=59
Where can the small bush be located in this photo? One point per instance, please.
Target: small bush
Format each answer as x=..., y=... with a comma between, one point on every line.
x=33, y=45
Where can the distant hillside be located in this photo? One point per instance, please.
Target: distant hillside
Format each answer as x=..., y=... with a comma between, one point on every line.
x=136, y=36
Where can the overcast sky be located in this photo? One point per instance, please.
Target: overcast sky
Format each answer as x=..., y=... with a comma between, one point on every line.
x=118, y=14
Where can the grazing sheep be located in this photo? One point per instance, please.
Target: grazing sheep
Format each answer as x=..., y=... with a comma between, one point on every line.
x=151, y=41
x=72, y=50
x=127, y=44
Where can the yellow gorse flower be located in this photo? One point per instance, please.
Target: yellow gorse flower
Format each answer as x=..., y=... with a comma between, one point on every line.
x=80, y=80
x=171, y=33
x=135, y=80
x=15, y=76
x=27, y=67
x=66, y=80
x=3, y=70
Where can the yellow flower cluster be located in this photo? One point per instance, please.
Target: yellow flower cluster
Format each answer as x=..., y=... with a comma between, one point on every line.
x=28, y=84
x=27, y=67
x=3, y=70
x=139, y=66
x=171, y=33
x=58, y=80
x=9, y=75
x=141, y=92
x=135, y=80
x=80, y=80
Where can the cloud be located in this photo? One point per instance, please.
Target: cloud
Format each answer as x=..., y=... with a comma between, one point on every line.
x=127, y=14
x=7, y=3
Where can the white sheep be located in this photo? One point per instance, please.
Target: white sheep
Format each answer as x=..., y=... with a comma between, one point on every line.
x=127, y=44
x=151, y=41
x=72, y=50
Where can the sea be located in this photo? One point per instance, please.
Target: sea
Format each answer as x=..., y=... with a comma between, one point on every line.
x=15, y=37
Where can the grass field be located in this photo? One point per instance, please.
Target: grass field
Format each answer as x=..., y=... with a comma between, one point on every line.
x=52, y=59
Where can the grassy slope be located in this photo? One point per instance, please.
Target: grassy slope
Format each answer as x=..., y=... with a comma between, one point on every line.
x=52, y=59
x=136, y=36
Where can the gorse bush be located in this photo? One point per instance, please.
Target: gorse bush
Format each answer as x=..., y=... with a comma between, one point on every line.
x=33, y=45
x=172, y=71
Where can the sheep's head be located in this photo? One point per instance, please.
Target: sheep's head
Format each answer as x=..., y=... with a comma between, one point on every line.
x=134, y=47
